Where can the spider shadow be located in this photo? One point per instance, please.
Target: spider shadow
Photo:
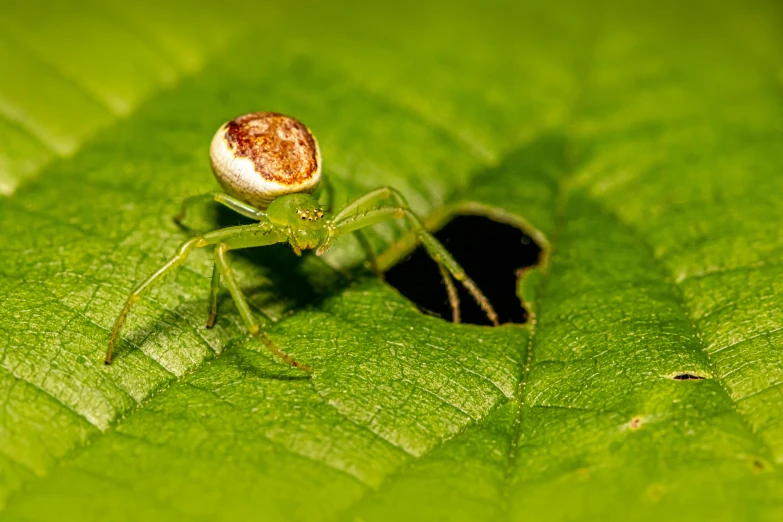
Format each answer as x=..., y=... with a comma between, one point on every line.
x=263, y=368
x=299, y=281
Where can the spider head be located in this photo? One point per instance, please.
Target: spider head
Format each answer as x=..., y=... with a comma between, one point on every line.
x=303, y=216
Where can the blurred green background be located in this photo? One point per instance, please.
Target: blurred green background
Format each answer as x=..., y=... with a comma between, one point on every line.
x=641, y=143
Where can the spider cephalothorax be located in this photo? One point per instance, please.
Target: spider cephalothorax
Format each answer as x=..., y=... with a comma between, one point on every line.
x=269, y=164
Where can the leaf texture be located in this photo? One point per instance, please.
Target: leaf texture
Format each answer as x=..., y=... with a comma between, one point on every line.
x=639, y=144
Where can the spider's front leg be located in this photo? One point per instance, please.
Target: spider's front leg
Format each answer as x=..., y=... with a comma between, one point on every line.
x=244, y=309
x=214, y=289
x=367, y=210
x=244, y=236
x=238, y=206
x=144, y=287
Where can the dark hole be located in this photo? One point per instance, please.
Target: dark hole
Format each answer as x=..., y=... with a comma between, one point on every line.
x=490, y=252
x=687, y=377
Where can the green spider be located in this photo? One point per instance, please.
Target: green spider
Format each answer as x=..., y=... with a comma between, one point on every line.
x=269, y=164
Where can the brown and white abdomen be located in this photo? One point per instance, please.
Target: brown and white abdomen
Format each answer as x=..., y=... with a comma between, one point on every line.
x=261, y=156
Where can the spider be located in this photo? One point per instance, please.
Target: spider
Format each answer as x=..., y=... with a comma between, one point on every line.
x=269, y=164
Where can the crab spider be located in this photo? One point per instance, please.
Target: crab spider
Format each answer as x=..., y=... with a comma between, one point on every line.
x=268, y=164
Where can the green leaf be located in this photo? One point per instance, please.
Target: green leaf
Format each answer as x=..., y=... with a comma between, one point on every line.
x=640, y=145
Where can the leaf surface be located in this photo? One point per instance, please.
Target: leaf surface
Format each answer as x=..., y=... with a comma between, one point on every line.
x=640, y=145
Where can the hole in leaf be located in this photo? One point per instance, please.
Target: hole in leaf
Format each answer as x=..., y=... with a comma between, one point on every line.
x=490, y=252
x=687, y=376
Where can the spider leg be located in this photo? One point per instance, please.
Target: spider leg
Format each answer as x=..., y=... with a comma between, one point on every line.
x=451, y=290
x=144, y=287
x=240, y=237
x=372, y=259
x=240, y=207
x=365, y=202
x=325, y=191
x=361, y=216
x=244, y=309
x=370, y=201
x=214, y=288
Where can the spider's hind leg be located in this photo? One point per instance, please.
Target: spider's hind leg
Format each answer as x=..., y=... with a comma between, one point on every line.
x=240, y=207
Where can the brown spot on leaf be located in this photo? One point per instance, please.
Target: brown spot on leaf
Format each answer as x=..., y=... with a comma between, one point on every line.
x=635, y=423
x=758, y=466
x=282, y=149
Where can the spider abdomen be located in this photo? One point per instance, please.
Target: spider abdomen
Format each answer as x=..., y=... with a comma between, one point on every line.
x=261, y=156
